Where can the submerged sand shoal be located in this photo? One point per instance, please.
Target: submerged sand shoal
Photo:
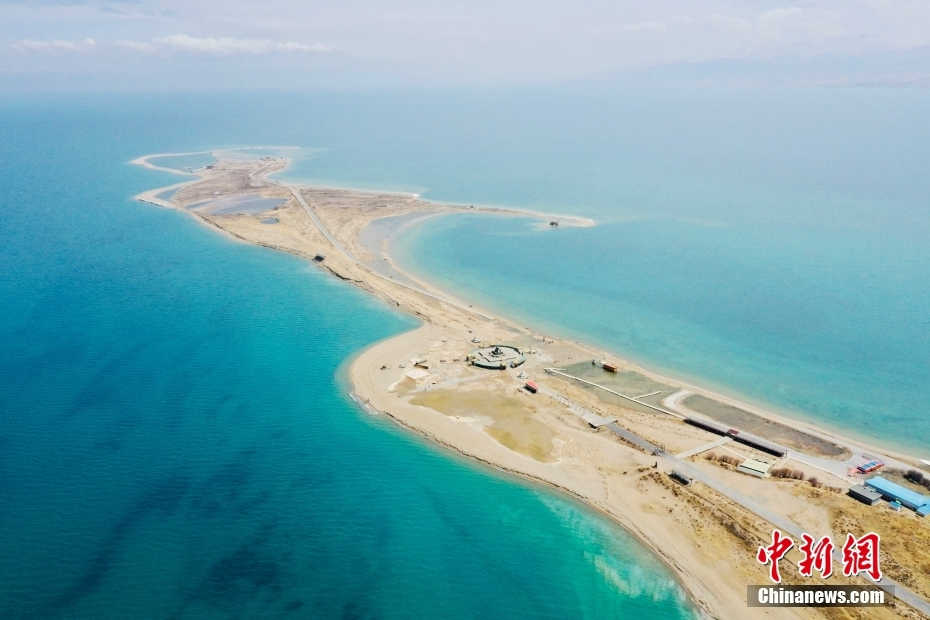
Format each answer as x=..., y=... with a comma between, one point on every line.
x=706, y=537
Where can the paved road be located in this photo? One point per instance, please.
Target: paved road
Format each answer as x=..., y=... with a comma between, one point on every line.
x=840, y=469
x=671, y=462
x=901, y=592
x=786, y=525
x=295, y=191
x=585, y=414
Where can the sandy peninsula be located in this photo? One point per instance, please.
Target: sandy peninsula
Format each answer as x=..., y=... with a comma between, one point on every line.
x=608, y=434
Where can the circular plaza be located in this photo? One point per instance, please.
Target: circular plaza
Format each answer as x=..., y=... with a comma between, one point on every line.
x=496, y=357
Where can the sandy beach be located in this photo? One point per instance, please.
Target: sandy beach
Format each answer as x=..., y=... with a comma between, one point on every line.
x=706, y=532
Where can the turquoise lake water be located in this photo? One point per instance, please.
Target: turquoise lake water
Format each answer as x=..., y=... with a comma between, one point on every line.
x=175, y=438
x=773, y=245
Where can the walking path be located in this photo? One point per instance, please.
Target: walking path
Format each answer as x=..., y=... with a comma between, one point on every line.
x=633, y=399
x=703, y=448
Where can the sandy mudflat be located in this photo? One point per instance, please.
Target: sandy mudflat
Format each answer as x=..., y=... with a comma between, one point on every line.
x=707, y=532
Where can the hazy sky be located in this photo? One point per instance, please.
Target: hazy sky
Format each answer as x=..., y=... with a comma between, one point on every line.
x=273, y=43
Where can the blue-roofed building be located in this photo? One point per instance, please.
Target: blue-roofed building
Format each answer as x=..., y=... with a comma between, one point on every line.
x=895, y=492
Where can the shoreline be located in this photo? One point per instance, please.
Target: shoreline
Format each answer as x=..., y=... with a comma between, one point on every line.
x=472, y=459
x=443, y=315
x=348, y=365
x=565, y=219
x=694, y=383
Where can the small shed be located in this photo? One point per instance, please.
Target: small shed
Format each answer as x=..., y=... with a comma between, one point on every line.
x=864, y=494
x=754, y=467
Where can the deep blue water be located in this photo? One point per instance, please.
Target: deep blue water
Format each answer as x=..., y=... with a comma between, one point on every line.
x=175, y=440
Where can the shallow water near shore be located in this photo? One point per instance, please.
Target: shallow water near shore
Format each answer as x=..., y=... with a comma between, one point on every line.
x=769, y=244
x=184, y=162
x=175, y=441
x=831, y=329
x=170, y=394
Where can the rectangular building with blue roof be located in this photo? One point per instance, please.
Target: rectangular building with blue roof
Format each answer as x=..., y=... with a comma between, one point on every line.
x=893, y=491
